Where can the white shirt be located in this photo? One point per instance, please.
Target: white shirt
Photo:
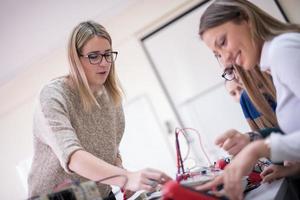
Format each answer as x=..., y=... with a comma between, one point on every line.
x=282, y=56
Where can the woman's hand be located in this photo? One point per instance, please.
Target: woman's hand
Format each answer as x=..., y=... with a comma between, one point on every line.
x=119, y=163
x=232, y=141
x=274, y=172
x=240, y=166
x=146, y=179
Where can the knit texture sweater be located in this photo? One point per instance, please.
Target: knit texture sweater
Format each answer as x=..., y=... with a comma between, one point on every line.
x=61, y=127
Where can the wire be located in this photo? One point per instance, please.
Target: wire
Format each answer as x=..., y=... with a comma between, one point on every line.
x=69, y=182
x=115, y=176
x=178, y=153
x=188, y=146
x=183, y=130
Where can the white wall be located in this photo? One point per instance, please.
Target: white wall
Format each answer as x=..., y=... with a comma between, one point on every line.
x=16, y=109
x=291, y=8
x=136, y=75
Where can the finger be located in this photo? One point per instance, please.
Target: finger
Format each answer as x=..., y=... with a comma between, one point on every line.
x=156, y=175
x=159, y=187
x=164, y=178
x=233, y=184
x=222, y=138
x=229, y=143
x=151, y=182
x=287, y=163
x=234, y=196
x=269, y=177
x=266, y=171
x=220, y=193
x=234, y=150
x=212, y=184
x=148, y=188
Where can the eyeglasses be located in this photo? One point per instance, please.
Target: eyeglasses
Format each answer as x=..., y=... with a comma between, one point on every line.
x=229, y=73
x=96, y=58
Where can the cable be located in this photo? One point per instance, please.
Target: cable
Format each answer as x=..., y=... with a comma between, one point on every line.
x=115, y=176
x=201, y=144
x=178, y=152
x=180, y=165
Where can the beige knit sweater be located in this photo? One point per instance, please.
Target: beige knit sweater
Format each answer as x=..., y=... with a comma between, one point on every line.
x=61, y=126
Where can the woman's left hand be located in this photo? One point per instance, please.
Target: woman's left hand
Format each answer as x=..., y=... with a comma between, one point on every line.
x=119, y=163
x=240, y=166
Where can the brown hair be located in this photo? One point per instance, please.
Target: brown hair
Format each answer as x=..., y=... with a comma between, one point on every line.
x=263, y=91
x=258, y=84
x=264, y=28
x=79, y=37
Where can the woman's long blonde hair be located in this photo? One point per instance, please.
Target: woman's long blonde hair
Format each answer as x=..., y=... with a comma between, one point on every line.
x=258, y=84
x=264, y=27
x=79, y=37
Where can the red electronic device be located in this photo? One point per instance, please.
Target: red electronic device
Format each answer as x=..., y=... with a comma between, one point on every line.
x=174, y=191
x=221, y=164
x=181, y=189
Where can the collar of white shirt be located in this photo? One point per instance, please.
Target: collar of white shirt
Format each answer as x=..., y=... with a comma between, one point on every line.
x=264, y=58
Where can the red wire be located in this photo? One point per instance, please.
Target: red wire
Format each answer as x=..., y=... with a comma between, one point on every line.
x=124, y=193
x=178, y=153
x=201, y=145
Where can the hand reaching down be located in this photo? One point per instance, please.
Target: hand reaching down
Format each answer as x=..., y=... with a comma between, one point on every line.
x=274, y=172
x=146, y=179
x=232, y=141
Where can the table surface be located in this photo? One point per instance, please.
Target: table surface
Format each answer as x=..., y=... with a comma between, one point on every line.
x=269, y=191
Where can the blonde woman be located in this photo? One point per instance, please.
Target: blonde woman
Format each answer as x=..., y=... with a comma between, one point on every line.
x=79, y=121
x=241, y=34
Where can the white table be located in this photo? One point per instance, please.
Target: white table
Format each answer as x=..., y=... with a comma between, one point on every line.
x=269, y=191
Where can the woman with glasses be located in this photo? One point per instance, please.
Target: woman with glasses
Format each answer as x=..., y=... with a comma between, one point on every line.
x=259, y=114
x=243, y=36
x=79, y=122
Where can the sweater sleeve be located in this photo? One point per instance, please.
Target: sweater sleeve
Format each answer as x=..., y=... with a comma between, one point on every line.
x=285, y=147
x=53, y=125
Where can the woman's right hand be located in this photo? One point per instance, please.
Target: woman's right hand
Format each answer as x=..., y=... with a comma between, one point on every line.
x=274, y=172
x=232, y=141
x=146, y=179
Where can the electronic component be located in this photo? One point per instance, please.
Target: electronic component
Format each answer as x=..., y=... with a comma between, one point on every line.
x=196, y=180
x=221, y=164
x=79, y=191
x=174, y=191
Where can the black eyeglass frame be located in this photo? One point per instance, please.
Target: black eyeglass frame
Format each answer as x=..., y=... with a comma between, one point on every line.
x=114, y=55
x=229, y=71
